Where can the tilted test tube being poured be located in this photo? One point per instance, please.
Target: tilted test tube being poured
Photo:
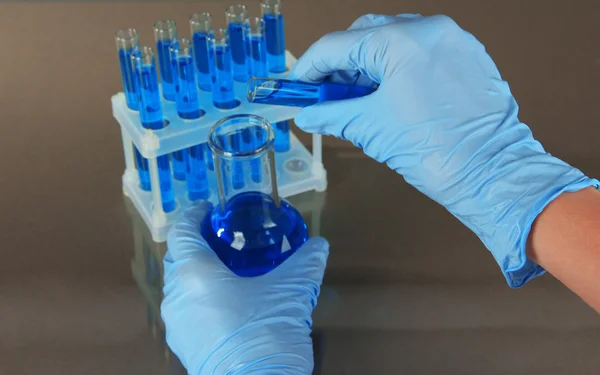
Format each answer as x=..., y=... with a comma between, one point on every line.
x=251, y=229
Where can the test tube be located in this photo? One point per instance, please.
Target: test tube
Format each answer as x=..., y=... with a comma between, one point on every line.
x=256, y=47
x=186, y=90
x=272, y=14
x=197, y=176
x=165, y=32
x=219, y=53
x=200, y=27
x=236, y=15
x=209, y=158
x=146, y=82
x=127, y=41
x=300, y=94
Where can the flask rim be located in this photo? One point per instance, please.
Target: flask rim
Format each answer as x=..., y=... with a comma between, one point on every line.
x=252, y=120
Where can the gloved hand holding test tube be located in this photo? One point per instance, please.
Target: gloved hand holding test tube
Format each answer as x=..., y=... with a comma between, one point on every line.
x=276, y=91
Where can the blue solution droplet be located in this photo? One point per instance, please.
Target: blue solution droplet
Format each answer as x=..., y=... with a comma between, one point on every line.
x=244, y=242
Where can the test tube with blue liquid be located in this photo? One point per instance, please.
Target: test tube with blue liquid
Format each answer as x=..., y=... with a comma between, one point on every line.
x=127, y=41
x=236, y=15
x=256, y=63
x=252, y=231
x=219, y=53
x=165, y=32
x=188, y=107
x=201, y=27
x=275, y=91
x=271, y=11
x=151, y=115
x=187, y=99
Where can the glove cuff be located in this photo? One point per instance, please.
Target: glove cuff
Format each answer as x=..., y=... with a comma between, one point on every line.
x=513, y=202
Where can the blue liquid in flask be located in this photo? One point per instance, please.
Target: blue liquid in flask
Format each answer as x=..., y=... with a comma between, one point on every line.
x=242, y=240
x=275, y=42
x=201, y=59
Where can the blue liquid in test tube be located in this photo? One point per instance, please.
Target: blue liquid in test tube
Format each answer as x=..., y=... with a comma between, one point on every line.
x=179, y=160
x=165, y=32
x=146, y=81
x=197, y=176
x=282, y=136
x=200, y=27
x=256, y=47
x=236, y=15
x=272, y=14
x=219, y=53
x=127, y=41
x=300, y=94
x=209, y=157
x=186, y=90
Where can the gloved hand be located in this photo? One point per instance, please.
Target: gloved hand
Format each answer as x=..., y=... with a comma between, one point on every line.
x=220, y=323
x=445, y=120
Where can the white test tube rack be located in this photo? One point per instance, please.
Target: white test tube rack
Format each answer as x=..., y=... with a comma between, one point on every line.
x=298, y=170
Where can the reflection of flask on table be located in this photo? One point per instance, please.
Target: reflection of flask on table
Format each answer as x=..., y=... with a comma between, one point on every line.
x=236, y=15
x=300, y=94
x=146, y=81
x=127, y=41
x=219, y=52
x=200, y=27
x=271, y=12
x=251, y=229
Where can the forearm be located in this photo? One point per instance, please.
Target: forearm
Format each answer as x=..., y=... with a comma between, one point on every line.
x=565, y=240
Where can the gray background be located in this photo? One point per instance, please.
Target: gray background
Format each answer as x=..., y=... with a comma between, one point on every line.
x=417, y=295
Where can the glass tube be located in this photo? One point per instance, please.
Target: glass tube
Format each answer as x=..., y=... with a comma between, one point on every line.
x=282, y=136
x=251, y=230
x=165, y=32
x=146, y=82
x=197, y=175
x=300, y=94
x=184, y=77
x=271, y=11
x=127, y=41
x=201, y=27
x=219, y=53
x=236, y=15
x=256, y=47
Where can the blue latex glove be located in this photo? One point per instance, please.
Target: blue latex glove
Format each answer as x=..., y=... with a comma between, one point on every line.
x=445, y=120
x=220, y=323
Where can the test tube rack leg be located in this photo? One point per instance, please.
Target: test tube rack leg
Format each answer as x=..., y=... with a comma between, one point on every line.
x=298, y=170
